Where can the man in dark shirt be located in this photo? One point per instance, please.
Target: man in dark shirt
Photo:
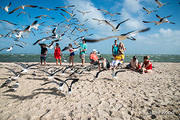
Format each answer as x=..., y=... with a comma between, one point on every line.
x=43, y=53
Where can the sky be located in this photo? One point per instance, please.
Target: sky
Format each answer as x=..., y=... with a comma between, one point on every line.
x=161, y=39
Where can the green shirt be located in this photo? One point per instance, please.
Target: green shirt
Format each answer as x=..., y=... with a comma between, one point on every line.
x=83, y=47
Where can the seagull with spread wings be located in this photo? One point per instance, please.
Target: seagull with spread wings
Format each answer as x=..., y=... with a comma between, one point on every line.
x=128, y=35
x=161, y=20
x=68, y=6
x=11, y=47
x=22, y=7
x=149, y=11
x=159, y=3
x=62, y=82
x=83, y=12
x=45, y=16
x=8, y=22
x=6, y=8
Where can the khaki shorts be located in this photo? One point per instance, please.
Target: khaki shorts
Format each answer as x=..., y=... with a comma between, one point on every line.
x=82, y=56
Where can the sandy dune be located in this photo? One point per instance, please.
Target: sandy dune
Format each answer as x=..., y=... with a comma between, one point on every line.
x=131, y=96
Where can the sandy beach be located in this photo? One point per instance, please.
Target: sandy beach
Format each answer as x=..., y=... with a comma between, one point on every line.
x=131, y=96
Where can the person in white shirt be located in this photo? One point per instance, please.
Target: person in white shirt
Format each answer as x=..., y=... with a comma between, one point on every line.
x=133, y=65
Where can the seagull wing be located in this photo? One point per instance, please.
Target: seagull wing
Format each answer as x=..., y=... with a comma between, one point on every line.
x=108, y=23
x=97, y=40
x=119, y=71
x=158, y=16
x=15, y=9
x=97, y=74
x=121, y=23
x=8, y=22
x=67, y=12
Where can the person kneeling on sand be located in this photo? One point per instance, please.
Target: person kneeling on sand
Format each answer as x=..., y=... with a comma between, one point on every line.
x=96, y=61
x=147, y=65
x=133, y=65
x=118, y=60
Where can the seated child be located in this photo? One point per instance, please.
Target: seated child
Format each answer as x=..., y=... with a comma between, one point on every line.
x=147, y=65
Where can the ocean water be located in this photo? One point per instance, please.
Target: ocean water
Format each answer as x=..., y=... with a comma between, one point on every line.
x=50, y=58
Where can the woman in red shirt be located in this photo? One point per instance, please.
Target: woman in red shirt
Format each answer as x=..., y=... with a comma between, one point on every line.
x=147, y=65
x=57, y=54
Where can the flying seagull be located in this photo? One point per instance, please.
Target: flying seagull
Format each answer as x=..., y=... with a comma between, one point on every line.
x=74, y=80
x=67, y=12
x=11, y=47
x=25, y=67
x=83, y=12
x=45, y=16
x=161, y=20
x=106, y=12
x=22, y=12
x=148, y=11
x=66, y=6
x=46, y=8
x=6, y=8
x=159, y=3
x=120, y=37
x=22, y=7
x=52, y=73
x=8, y=22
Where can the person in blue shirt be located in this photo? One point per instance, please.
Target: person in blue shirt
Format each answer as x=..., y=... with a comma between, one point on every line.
x=83, y=50
x=115, y=48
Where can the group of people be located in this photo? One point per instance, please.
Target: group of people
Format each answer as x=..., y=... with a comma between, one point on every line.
x=58, y=53
x=117, y=53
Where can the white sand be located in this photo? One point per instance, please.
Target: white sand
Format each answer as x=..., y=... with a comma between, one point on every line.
x=132, y=96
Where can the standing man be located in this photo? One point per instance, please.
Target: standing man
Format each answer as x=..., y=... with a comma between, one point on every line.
x=115, y=49
x=83, y=50
x=43, y=53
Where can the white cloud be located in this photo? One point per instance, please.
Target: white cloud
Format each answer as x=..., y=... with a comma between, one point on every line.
x=132, y=6
x=87, y=5
x=132, y=9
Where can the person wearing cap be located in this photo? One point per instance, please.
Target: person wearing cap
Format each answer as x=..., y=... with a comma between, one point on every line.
x=133, y=65
x=83, y=49
x=43, y=53
x=97, y=61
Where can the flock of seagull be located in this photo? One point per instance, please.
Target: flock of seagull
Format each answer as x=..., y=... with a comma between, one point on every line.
x=71, y=73
x=72, y=26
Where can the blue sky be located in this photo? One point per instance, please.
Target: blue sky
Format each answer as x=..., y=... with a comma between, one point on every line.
x=161, y=39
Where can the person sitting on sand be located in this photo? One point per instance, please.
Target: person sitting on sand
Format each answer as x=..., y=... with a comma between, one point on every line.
x=43, y=53
x=133, y=65
x=71, y=56
x=115, y=48
x=147, y=65
x=118, y=60
x=57, y=54
x=97, y=61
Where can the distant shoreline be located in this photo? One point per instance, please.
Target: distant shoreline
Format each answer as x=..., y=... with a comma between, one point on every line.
x=109, y=57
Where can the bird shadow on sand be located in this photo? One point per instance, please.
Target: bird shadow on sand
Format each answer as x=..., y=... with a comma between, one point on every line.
x=43, y=79
x=48, y=91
